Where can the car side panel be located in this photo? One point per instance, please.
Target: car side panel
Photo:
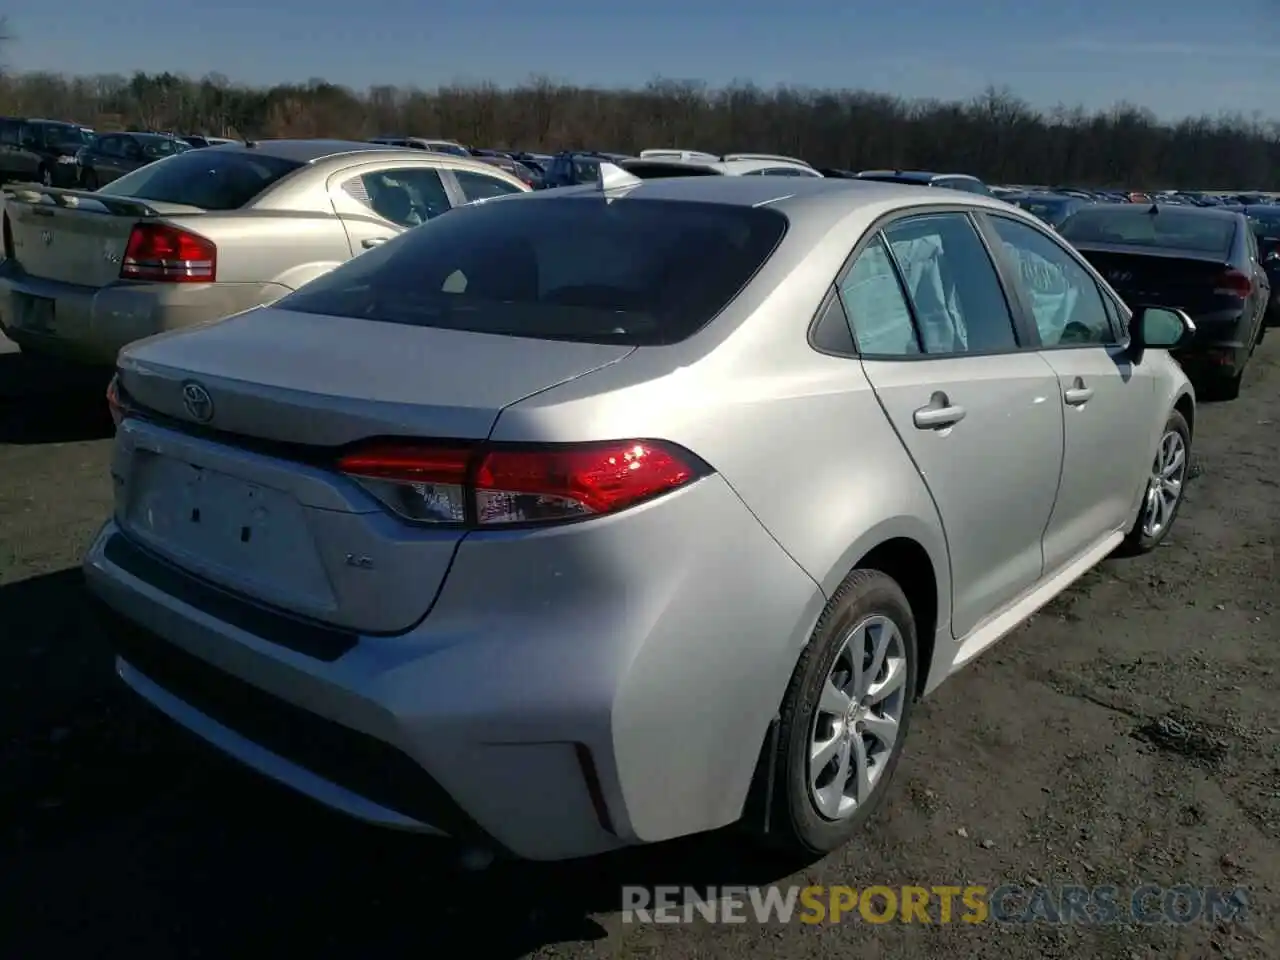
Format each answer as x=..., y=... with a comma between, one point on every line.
x=810, y=455
x=279, y=248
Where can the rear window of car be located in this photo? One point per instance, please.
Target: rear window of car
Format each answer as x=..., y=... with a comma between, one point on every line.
x=583, y=269
x=212, y=179
x=1137, y=226
x=453, y=149
x=1265, y=224
x=63, y=135
x=156, y=148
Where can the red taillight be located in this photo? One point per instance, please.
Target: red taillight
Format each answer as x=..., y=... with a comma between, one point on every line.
x=161, y=253
x=486, y=486
x=113, y=401
x=1233, y=283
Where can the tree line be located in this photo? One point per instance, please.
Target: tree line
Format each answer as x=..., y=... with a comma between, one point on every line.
x=996, y=136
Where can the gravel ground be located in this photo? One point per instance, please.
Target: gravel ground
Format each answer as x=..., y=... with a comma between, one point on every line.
x=1130, y=733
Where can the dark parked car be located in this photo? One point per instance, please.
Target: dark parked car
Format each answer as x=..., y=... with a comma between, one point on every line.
x=1265, y=220
x=509, y=164
x=41, y=151
x=200, y=142
x=1201, y=260
x=951, y=181
x=1052, y=208
x=577, y=166
x=112, y=155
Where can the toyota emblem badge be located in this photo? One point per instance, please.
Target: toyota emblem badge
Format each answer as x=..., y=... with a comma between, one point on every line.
x=197, y=402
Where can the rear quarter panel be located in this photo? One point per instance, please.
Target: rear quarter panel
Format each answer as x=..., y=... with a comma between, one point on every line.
x=286, y=248
x=799, y=436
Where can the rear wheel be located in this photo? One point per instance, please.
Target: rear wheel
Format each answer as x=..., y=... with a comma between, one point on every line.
x=845, y=716
x=1221, y=389
x=1165, y=487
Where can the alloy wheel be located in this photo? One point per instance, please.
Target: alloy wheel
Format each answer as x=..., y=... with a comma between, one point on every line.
x=858, y=717
x=1164, y=488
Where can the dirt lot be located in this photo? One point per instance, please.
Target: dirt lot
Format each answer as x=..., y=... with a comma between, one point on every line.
x=1130, y=733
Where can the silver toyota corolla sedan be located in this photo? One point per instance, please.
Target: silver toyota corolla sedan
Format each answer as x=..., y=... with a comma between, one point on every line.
x=598, y=516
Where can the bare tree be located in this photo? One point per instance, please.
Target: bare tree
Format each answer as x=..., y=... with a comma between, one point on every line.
x=997, y=136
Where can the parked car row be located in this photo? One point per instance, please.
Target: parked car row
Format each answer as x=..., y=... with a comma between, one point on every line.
x=208, y=232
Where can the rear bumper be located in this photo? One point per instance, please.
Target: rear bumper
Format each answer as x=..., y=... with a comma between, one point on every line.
x=571, y=693
x=1220, y=349
x=91, y=324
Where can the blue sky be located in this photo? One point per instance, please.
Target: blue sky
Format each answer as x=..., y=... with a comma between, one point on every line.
x=1177, y=57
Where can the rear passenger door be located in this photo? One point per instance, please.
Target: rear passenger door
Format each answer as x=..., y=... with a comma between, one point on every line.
x=9, y=163
x=974, y=405
x=376, y=203
x=1261, y=283
x=108, y=158
x=27, y=159
x=1109, y=405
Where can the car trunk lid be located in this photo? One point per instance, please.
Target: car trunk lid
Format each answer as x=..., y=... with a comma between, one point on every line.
x=78, y=236
x=1185, y=279
x=228, y=472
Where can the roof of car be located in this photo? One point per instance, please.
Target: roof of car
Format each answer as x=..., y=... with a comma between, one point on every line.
x=727, y=167
x=307, y=151
x=1043, y=196
x=795, y=196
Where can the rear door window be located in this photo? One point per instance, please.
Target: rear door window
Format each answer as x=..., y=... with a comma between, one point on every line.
x=953, y=285
x=877, y=310
x=584, y=269
x=211, y=179
x=9, y=133
x=406, y=196
x=477, y=186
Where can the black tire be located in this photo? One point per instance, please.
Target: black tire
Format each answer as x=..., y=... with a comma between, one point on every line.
x=1221, y=390
x=797, y=827
x=89, y=180
x=1138, y=541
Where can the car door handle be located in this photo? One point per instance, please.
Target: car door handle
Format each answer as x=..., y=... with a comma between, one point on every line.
x=370, y=242
x=1077, y=396
x=936, y=415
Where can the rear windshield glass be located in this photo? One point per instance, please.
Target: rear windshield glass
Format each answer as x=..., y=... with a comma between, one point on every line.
x=58, y=135
x=1135, y=225
x=1047, y=210
x=586, y=269
x=212, y=179
x=1265, y=224
x=658, y=169
x=156, y=148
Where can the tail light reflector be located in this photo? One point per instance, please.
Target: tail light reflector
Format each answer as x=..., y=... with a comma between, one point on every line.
x=483, y=486
x=113, y=401
x=162, y=253
x=1233, y=283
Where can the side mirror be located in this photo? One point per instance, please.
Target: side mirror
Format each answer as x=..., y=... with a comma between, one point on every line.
x=1164, y=328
